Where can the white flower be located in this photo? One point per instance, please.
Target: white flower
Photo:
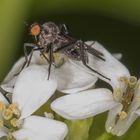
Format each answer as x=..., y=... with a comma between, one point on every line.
x=70, y=79
x=31, y=91
x=123, y=103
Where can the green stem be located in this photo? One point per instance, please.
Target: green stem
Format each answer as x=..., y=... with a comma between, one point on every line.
x=78, y=129
x=105, y=136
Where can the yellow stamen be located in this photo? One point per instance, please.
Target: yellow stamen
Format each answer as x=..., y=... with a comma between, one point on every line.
x=117, y=93
x=14, y=109
x=17, y=113
x=123, y=80
x=2, y=106
x=132, y=81
x=49, y=115
x=7, y=114
x=122, y=115
x=14, y=122
x=10, y=136
x=1, y=123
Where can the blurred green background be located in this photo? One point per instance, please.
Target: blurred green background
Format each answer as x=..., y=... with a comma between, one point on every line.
x=113, y=23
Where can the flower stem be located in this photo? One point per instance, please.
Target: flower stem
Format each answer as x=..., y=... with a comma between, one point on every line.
x=105, y=136
x=78, y=129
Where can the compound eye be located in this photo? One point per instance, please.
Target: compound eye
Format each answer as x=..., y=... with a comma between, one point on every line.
x=35, y=29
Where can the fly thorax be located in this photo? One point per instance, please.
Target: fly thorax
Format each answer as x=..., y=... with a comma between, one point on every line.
x=125, y=95
x=50, y=28
x=49, y=31
x=10, y=115
x=45, y=40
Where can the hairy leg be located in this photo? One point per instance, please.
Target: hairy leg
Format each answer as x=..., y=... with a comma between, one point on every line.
x=84, y=61
x=94, y=51
x=50, y=60
x=27, y=62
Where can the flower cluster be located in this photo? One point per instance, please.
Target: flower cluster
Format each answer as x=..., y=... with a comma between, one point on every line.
x=22, y=94
x=123, y=102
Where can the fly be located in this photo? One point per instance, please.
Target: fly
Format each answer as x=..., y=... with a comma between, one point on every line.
x=51, y=38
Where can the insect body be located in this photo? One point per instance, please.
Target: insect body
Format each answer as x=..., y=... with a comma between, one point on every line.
x=51, y=38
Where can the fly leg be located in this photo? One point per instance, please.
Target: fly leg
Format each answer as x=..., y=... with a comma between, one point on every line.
x=82, y=55
x=31, y=54
x=94, y=51
x=50, y=60
x=64, y=29
x=5, y=94
x=27, y=62
x=26, y=45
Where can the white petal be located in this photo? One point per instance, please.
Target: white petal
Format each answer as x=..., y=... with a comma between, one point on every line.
x=32, y=89
x=110, y=68
x=78, y=89
x=39, y=128
x=71, y=79
x=15, y=69
x=118, y=56
x=3, y=132
x=121, y=126
x=7, y=88
x=138, y=112
x=84, y=104
x=137, y=89
x=136, y=99
x=11, y=78
x=112, y=117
